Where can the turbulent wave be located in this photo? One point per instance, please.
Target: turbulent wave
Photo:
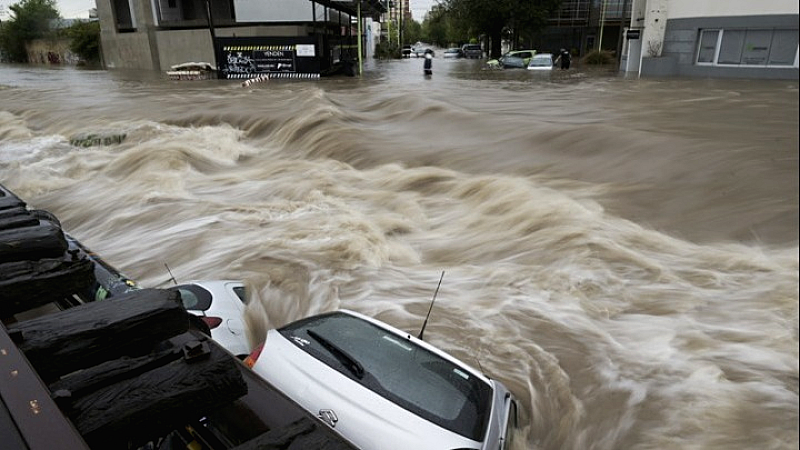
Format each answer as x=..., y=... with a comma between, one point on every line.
x=575, y=271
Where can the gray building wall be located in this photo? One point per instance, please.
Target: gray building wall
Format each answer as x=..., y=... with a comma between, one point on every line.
x=180, y=46
x=149, y=47
x=680, y=48
x=127, y=49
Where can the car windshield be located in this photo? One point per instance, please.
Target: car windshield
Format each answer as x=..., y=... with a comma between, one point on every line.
x=194, y=298
x=541, y=62
x=412, y=377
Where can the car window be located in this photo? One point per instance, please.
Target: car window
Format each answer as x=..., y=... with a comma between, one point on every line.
x=514, y=61
x=541, y=62
x=410, y=376
x=512, y=425
x=194, y=297
x=239, y=291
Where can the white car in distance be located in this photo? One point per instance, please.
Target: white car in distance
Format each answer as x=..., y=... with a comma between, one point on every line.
x=383, y=389
x=541, y=61
x=221, y=305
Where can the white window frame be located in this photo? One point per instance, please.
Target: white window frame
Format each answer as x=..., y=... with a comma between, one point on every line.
x=718, y=46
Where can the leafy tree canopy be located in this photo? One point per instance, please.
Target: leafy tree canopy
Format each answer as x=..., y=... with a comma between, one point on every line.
x=85, y=40
x=496, y=17
x=30, y=19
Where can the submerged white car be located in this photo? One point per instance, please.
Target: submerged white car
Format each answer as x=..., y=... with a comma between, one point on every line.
x=220, y=304
x=541, y=61
x=382, y=388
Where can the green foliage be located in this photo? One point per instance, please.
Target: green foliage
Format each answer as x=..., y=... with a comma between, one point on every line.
x=598, y=57
x=30, y=19
x=387, y=50
x=85, y=40
x=442, y=29
x=496, y=18
x=412, y=31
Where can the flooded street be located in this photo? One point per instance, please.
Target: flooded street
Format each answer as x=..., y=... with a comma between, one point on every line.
x=621, y=253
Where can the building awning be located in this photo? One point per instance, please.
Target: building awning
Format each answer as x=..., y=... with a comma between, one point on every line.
x=369, y=8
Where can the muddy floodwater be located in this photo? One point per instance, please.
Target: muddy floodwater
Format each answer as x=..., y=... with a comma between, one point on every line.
x=621, y=253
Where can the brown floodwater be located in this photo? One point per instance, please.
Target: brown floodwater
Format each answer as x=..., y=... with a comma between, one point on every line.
x=622, y=253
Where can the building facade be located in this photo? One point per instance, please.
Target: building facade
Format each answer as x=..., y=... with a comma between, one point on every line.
x=709, y=38
x=585, y=25
x=242, y=38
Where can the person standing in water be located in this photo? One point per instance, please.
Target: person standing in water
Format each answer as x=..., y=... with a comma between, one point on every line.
x=564, y=57
x=428, y=65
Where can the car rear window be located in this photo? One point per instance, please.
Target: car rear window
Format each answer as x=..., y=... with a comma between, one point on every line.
x=194, y=298
x=410, y=376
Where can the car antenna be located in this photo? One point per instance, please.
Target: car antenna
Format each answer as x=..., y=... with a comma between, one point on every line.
x=424, y=324
x=171, y=277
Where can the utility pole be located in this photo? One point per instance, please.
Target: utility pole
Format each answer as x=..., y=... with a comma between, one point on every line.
x=622, y=23
x=210, y=19
x=602, y=24
x=402, y=13
x=360, y=62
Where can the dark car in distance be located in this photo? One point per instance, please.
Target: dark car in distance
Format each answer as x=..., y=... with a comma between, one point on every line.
x=472, y=51
x=453, y=53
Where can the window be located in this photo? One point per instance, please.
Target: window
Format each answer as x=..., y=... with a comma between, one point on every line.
x=239, y=291
x=730, y=51
x=194, y=298
x=756, y=47
x=122, y=15
x=708, y=45
x=512, y=426
x=748, y=47
x=783, y=50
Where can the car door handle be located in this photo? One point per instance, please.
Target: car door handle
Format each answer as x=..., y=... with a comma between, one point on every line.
x=329, y=417
x=233, y=326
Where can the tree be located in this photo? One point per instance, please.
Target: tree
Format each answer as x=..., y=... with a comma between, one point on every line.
x=412, y=31
x=495, y=18
x=85, y=40
x=30, y=19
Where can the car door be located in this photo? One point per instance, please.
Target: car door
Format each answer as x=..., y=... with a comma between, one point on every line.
x=235, y=320
x=510, y=424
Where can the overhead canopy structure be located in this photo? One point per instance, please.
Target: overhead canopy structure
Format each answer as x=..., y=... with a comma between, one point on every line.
x=369, y=8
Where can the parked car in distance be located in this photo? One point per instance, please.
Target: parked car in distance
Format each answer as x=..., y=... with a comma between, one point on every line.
x=220, y=304
x=453, y=53
x=515, y=59
x=380, y=387
x=419, y=52
x=472, y=51
x=541, y=61
x=406, y=51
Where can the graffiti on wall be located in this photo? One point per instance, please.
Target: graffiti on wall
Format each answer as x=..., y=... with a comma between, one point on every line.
x=246, y=61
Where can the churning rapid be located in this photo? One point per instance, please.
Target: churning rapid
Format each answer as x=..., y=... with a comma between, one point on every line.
x=621, y=253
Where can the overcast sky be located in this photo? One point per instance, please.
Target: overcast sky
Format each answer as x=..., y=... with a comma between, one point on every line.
x=71, y=9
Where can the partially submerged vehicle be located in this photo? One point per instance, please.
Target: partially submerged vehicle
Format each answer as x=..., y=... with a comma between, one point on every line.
x=94, y=362
x=380, y=387
x=515, y=59
x=192, y=71
x=220, y=304
x=541, y=61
